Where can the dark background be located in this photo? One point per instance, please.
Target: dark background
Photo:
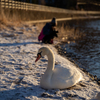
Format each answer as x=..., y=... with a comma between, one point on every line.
x=67, y=4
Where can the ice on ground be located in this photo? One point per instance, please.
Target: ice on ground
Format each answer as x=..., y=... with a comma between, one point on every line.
x=20, y=75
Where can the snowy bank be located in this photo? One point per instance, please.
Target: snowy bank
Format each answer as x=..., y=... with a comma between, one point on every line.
x=20, y=75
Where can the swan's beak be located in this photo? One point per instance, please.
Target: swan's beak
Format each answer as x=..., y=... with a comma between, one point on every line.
x=38, y=57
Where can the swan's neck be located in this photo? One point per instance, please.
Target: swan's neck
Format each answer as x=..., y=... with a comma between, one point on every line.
x=51, y=62
x=49, y=71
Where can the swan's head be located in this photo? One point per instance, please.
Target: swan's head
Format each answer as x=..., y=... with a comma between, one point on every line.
x=42, y=52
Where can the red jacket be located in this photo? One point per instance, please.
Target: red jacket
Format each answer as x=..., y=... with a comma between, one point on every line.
x=41, y=36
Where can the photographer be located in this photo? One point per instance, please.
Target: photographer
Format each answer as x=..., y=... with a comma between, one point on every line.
x=48, y=32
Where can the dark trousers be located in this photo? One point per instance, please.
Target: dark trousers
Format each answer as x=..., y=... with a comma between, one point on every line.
x=47, y=39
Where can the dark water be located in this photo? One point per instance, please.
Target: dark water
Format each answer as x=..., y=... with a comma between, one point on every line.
x=86, y=52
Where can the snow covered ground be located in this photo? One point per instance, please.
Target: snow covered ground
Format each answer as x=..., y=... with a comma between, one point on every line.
x=20, y=75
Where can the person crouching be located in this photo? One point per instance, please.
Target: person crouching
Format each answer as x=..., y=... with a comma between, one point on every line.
x=48, y=32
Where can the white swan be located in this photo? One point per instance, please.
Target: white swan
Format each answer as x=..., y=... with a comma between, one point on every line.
x=59, y=77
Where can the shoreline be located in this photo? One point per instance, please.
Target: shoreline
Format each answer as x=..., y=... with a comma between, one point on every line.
x=70, y=39
x=61, y=52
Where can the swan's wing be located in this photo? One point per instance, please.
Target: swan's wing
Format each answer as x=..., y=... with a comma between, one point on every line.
x=63, y=73
x=65, y=77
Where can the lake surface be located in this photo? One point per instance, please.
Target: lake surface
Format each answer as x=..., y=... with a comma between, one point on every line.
x=86, y=52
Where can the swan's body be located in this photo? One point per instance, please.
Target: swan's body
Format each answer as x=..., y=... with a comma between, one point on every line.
x=59, y=77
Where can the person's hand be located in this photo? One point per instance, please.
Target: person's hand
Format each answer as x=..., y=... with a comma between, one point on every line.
x=57, y=32
x=54, y=27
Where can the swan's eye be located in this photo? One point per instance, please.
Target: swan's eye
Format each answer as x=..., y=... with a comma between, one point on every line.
x=39, y=54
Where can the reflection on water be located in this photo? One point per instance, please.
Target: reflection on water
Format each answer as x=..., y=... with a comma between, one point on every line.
x=87, y=51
